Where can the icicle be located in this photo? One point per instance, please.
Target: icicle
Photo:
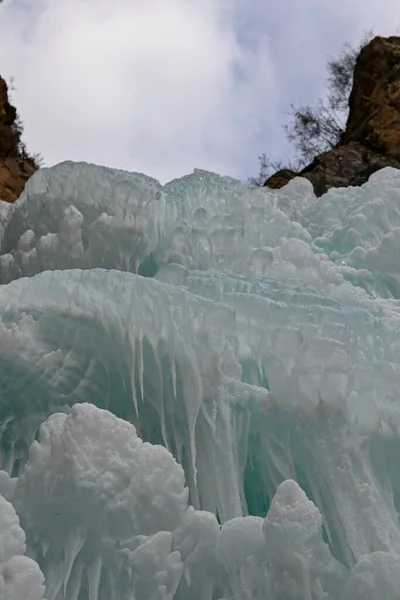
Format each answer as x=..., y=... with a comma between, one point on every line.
x=140, y=366
x=193, y=451
x=112, y=577
x=54, y=579
x=193, y=396
x=93, y=575
x=172, y=366
x=75, y=582
x=177, y=444
x=160, y=399
x=45, y=547
x=134, y=396
x=107, y=395
x=132, y=374
x=75, y=541
x=123, y=380
x=259, y=363
x=4, y=424
x=11, y=458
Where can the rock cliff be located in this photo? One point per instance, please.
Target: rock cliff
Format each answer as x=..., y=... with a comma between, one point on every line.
x=371, y=140
x=15, y=167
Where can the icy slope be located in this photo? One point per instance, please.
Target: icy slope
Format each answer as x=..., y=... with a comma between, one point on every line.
x=199, y=388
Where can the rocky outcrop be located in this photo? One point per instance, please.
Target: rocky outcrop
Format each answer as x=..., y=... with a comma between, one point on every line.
x=374, y=103
x=15, y=169
x=280, y=178
x=350, y=164
x=14, y=173
x=371, y=140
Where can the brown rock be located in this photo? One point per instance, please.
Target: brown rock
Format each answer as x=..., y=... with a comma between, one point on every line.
x=280, y=178
x=15, y=169
x=350, y=164
x=14, y=173
x=9, y=137
x=372, y=137
x=374, y=103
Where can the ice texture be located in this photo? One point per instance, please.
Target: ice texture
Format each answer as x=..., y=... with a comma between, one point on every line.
x=199, y=389
x=20, y=576
x=99, y=507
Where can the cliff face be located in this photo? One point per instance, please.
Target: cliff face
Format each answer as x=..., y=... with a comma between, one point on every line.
x=372, y=137
x=15, y=170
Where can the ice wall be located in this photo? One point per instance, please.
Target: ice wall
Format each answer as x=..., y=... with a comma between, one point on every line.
x=199, y=388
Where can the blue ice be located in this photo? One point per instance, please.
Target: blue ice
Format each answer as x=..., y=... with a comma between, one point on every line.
x=199, y=389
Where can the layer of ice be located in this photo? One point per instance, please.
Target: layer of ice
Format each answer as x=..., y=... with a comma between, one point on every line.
x=199, y=388
x=79, y=215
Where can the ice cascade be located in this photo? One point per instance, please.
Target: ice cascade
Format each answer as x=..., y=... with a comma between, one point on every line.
x=199, y=389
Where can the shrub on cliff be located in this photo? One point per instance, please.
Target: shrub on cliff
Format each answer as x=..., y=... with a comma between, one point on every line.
x=316, y=129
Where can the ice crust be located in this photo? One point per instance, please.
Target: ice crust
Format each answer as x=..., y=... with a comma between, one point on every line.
x=199, y=389
x=20, y=576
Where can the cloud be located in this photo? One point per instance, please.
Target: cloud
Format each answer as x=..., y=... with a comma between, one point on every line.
x=163, y=86
x=155, y=85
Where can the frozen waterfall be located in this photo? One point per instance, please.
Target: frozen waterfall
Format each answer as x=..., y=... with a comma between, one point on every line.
x=199, y=389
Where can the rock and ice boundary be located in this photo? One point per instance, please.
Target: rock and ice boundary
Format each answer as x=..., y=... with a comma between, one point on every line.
x=199, y=389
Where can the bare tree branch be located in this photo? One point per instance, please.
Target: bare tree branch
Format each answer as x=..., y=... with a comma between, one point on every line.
x=313, y=130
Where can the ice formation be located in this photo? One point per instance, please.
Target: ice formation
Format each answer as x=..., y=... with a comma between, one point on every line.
x=20, y=576
x=199, y=389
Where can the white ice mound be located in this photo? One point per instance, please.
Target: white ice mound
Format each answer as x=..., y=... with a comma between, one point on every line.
x=99, y=506
x=106, y=516
x=206, y=406
x=377, y=575
x=300, y=561
x=20, y=576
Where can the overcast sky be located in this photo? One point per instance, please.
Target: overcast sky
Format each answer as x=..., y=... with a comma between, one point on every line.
x=164, y=86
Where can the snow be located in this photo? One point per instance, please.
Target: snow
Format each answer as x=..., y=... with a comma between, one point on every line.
x=20, y=576
x=199, y=389
x=100, y=505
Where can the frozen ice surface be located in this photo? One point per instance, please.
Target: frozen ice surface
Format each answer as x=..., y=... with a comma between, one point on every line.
x=81, y=215
x=151, y=353
x=377, y=575
x=199, y=389
x=99, y=506
x=20, y=576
